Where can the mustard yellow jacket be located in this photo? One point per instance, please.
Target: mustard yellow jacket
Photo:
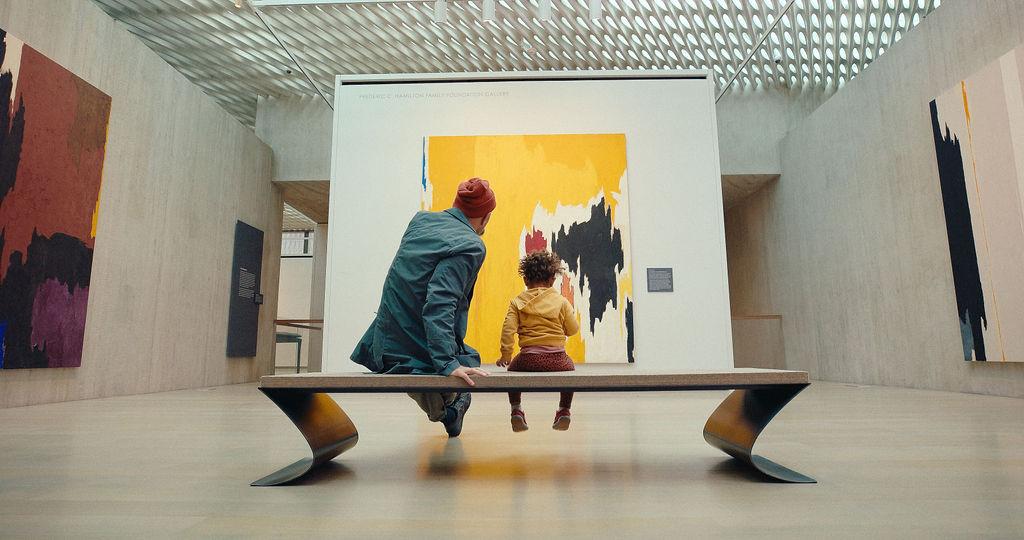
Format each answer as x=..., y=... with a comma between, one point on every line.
x=539, y=316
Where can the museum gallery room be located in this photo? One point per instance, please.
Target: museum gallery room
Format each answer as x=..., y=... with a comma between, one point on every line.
x=512, y=268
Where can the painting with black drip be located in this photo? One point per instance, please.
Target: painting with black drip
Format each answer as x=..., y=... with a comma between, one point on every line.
x=979, y=152
x=963, y=253
x=592, y=250
x=565, y=193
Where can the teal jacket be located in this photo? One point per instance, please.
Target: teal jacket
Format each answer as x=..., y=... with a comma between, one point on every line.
x=420, y=326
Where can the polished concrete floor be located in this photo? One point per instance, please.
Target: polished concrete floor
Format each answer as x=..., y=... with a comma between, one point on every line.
x=891, y=463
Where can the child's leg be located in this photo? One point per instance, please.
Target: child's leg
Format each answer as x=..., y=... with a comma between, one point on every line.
x=562, y=417
x=518, y=417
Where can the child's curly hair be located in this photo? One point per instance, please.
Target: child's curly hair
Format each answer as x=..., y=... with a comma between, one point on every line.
x=540, y=266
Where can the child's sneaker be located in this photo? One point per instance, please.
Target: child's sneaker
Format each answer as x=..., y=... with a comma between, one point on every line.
x=562, y=420
x=519, y=421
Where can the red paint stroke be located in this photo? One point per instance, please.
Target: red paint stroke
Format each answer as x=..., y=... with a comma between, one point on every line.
x=536, y=242
x=58, y=178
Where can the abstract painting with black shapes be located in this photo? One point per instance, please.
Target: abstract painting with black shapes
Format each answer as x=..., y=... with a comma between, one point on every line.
x=593, y=251
x=979, y=151
x=53, y=133
x=963, y=255
x=568, y=193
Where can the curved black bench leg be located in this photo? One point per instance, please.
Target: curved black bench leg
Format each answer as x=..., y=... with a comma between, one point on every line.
x=326, y=427
x=736, y=423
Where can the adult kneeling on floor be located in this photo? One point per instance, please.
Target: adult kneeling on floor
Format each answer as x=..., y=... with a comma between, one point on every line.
x=420, y=326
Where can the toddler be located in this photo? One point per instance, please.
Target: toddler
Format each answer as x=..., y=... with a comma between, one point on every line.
x=543, y=319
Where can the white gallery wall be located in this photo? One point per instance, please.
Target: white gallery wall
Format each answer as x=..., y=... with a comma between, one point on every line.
x=675, y=195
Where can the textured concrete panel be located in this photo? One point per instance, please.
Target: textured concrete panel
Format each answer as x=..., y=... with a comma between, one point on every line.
x=853, y=252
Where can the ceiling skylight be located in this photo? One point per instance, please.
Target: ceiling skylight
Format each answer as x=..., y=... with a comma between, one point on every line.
x=227, y=51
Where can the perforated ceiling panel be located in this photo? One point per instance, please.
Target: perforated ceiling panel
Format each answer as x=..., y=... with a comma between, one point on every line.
x=230, y=53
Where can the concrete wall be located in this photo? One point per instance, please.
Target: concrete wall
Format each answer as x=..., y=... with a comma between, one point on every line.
x=853, y=251
x=299, y=131
x=750, y=127
x=757, y=335
x=178, y=172
x=752, y=124
x=747, y=226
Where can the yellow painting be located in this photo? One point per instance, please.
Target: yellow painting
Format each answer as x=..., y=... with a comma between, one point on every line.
x=566, y=193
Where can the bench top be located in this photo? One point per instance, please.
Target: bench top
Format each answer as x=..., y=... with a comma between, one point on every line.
x=586, y=378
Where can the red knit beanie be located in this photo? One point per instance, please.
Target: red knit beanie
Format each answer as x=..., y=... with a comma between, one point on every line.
x=475, y=198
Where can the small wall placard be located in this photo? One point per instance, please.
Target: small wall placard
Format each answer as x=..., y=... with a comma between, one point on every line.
x=659, y=280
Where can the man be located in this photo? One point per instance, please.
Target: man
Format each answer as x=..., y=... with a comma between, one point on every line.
x=421, y=322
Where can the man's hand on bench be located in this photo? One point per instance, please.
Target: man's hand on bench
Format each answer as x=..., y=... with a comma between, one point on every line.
x=465, y=372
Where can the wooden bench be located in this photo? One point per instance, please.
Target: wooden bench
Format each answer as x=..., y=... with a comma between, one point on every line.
x=733, y=427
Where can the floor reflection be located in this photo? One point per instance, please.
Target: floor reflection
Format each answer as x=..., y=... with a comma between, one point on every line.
x=479, y=458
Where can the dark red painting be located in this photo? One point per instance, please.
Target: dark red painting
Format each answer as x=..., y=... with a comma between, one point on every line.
x=53, y=134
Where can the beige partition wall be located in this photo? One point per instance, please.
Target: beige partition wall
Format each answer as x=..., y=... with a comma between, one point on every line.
x=179, y=171
x=293, y=303
x=316, y=298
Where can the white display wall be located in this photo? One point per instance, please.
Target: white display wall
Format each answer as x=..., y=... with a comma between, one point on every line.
x=675, y=205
